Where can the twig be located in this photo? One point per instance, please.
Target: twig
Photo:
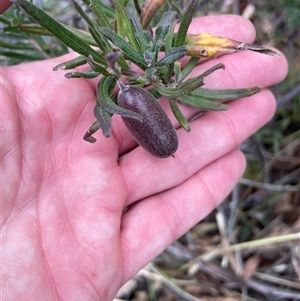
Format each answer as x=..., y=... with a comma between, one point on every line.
x=269, y=291
x=208, y=256
x=154, y=274
x=259, y=286
x=233, y=210
x=282, y=101
x=276, y=280
x=273, y=187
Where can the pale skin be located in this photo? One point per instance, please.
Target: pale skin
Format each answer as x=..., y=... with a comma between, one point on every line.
x=64, y=236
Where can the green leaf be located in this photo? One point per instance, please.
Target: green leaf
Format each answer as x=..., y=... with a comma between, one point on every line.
x=93, y=129
x=93, y=29
x=172, y=55
x=39, y=30
x=150, y=71
x=176, y=7
x=168, y=44
x=179, y=115
x=139, y=33
x=123, y=23
x=97, y=67
x=102, y=43
x=161, y=32
x=177, y=72
x=21, y=56
x=16, y=46
x=133, y=55
x=103, y=118
x=88, y=74
x=148, y=37
x=59, y=31
x=226, y=95
x=85, y=17
x=189, y=67
x=79, y=61
x=103, y=96
x=100, y=14
x=34, y=29
x=108, y=10
x=170, y=36
x=202, y=103
x=149, y=57
x=186, y=20
x=189, y=86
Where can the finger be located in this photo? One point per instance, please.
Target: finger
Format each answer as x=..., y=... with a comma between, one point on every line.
x=11, y=161
x=212, y=136
x=154, y=223
x=244, y=69
x=230, y=26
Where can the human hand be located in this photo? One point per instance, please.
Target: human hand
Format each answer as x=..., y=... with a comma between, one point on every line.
x=64, y=236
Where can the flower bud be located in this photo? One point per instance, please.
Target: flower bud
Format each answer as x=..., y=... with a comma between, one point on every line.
x=149, y=9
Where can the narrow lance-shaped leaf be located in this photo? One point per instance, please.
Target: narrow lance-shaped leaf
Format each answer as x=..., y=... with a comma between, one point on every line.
x=82, y=13
x=190, y=85
x=185, y=22
x=133, y=55
x=210, y=46
x=102, y=18
x=149, y=57
x=102, y=43
x=172, y=55
x=34, y=29
x=112, y=59
x=107, y=10
x=202, y=103
x=169, y=44
x=193, y=83
x=177, y=72
x=139, y=33
x=97, y=67
x=59, y=31
x=104, y=86
x=93, y=29
x=123, y=23
x=189, y=67
x=71, y=64
x=17, y=46
x=39, y=30
x=179, y=115
x=89, y=74
x=93, y=129
x=103, y=118
x=161, y=32
x=175, y=6
x=226, y=95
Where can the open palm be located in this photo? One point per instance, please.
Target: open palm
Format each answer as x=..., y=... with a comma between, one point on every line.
x=64, y=236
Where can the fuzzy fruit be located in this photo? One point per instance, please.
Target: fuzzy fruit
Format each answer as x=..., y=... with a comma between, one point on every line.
x=155, y=133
